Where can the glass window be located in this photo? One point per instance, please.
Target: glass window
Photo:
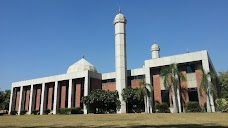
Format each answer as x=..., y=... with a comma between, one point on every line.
x=190, y=68
x=165, y=96
x=193, y=94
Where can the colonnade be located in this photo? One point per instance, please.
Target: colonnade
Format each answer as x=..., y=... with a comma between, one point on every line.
x=49, y=95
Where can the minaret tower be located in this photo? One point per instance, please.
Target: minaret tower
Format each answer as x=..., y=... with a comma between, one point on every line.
x=120, y=57
x=155, y=51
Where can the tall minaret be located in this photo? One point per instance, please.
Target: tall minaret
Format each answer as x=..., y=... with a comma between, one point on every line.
x=120, y=57
x=155, y=51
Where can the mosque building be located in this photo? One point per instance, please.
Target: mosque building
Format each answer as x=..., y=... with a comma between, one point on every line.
x=67, y=90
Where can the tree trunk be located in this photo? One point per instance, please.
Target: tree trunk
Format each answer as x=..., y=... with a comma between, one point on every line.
x=148, y=104
x=145, y=103
x=178, y=99
x=175, y=110
x=151, y=103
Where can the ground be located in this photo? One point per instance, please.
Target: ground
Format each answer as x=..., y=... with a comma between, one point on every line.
x=218, y=120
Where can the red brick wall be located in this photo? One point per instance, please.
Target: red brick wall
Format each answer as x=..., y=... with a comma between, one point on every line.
x=78, y=94
x=38, y=96
x=109, y=86
x=95, y=84
x=17, y=99
x=135, y=83
x=202, y=98
x=184, y=85
x=27, y=98
x=157, y=86
x=63, y=96
x=50, y=93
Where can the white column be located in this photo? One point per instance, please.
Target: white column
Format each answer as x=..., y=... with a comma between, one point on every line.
x=30, y=99
x=86, y=91
x=55, y=97
x=148, y=81
x=11, y=98
x=20, y=100
x=42, y=99
x=69, y=93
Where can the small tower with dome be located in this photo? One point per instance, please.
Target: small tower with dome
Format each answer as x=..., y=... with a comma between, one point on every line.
x=155, y=51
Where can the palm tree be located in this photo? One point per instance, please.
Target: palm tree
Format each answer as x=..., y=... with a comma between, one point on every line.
x=145, y=90
x=172, y=76
x=209, y=88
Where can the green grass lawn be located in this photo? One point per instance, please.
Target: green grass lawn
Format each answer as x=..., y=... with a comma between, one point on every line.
x=218, y=120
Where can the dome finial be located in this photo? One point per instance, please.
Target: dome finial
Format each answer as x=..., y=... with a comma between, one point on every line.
x=155, y=42
x=119, y=9
x=83, y=56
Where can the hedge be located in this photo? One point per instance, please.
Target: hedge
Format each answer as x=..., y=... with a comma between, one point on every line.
x=47, y=111
x=162, y=108
x=13, y=113
x=35, y=112
x=193, y=107
x=77, y=110
x=23, y=112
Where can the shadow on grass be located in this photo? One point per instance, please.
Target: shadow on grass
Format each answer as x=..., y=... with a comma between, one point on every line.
x=132, y=126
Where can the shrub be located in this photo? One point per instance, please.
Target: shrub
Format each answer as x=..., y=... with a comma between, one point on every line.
x=222, y=104
x=23, y=112
x=64, y=111
x=47, y=111
x=162, y=108
x=193, y=107
x=102, y=101
x=76, y=110
x=35, y=112
x=13, y=113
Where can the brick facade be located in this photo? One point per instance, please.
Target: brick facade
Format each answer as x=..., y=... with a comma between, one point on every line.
x=50, y=90
x=27, y=97
x=184, y=85
x=17, y=99
x=156, y=85
x=109, y=86
x=63, y=95
x=202, y=98
x=38, y=96
x=135, y=83
x=78, y=94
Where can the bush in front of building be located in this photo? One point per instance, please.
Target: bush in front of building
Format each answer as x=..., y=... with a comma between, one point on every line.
x=76, y=110
x=13, y=113
x=162, y=108
x=102, y=101
x=134, y=103
x=193, y=107
x=222, y=104
x=35, y=112
x=47, y=111
x=64, y=111
x=23, y=112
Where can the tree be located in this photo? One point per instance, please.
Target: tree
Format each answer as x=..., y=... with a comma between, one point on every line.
x=223, y=81
x=145, y=90
x=133, y=103
x=102, y=101
x=209, y=88
x=4, y=99
x=172, y=76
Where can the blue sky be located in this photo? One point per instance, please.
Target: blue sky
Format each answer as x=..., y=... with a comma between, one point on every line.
x=39, y=38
